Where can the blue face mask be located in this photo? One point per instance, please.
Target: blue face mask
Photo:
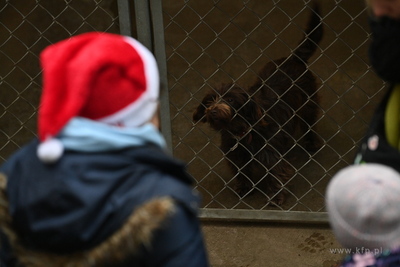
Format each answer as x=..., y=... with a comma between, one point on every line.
x=384, y=51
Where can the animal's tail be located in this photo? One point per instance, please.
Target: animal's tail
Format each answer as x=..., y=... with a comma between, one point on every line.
x=313, y=35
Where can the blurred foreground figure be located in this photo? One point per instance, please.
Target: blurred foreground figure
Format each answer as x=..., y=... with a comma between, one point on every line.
x=363, y=204
x=363, y=201
x=96, y=188
x=382, y=140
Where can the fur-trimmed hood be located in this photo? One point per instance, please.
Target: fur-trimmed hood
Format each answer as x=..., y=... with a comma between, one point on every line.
x=125, y=242
x=92, y=208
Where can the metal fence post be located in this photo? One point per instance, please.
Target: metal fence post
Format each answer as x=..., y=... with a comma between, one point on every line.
x=143, y=23
x=125, y=23
x=159, y=51
x=150, y=32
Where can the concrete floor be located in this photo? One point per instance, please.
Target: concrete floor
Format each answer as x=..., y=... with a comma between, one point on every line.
x=275, y=245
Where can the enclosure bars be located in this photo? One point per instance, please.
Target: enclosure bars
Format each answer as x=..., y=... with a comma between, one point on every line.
x=265, y=216
x=150, y=31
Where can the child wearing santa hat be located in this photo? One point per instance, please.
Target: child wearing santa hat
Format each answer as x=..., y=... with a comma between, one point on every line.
x=96, y=187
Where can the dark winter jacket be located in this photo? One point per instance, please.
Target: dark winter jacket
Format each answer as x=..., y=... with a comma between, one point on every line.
x=131, y=207
x=385, y=259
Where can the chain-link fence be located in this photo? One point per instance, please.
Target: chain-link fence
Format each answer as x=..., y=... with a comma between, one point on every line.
x=26, y=28
x=209, y=43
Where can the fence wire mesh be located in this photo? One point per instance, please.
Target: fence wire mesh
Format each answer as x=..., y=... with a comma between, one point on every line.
x=220, y=42
x=26, y=28
x=209, y=43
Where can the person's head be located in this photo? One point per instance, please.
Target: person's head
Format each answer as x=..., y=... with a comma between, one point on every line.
x=104, y=77
x=363, y=204
x=385, y=8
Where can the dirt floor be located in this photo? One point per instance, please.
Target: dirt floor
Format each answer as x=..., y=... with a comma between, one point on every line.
x=271, y=245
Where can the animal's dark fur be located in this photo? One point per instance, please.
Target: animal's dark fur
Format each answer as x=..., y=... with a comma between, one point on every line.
x=257, y=124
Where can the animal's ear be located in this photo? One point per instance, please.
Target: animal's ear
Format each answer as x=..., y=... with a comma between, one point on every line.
x=200, y=112
x=254, y=113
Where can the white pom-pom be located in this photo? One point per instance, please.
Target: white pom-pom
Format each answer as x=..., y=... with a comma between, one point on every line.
x=50, y=150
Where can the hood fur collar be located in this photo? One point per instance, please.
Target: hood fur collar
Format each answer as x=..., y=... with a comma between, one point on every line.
x=137, y=230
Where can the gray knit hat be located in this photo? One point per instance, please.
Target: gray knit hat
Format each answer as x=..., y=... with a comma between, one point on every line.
x=363, y=204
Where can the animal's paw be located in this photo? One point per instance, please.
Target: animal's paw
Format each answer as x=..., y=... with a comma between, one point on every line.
x=242, y=188
x=279, y=199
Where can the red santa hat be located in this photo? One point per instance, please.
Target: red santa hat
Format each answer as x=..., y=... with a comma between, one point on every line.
x=100, y=76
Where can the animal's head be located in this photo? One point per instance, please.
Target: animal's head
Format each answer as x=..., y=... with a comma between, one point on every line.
x=229, y=108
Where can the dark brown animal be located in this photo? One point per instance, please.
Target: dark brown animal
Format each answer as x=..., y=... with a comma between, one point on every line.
x=258, y=124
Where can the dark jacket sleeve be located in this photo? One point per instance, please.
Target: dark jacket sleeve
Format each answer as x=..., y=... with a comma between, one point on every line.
x=6, y=257
x=178, y=244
